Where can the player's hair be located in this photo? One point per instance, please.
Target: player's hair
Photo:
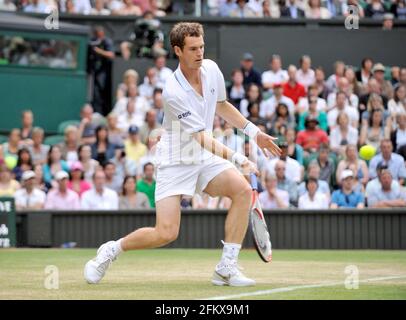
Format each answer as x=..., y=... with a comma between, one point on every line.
x=182, y=30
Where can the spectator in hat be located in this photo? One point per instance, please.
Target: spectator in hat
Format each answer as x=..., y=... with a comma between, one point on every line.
x=29, y=197
x=275, y=74
x=346, y=197
x=99, y=197
x=77, y=181
x=133, y=146
x=61, y=197
x=294, y=171
x=385, y=196
x=251, y=75
x=395, y=162
x=358, y=166
x=293, y=89
x=313, y=198
x=312, y=137
x=273, y=197
x=269, y=105
x=242, y=10
x=379, y=75
x=374, y=185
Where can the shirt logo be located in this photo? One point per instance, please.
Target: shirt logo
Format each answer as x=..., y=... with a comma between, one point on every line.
x=212, y=90
x=184, y=115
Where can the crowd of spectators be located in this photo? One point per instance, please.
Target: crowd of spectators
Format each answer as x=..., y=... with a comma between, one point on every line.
x=311, y=9
x=320, y=121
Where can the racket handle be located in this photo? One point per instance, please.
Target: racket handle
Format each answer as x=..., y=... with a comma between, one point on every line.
x=254, y=181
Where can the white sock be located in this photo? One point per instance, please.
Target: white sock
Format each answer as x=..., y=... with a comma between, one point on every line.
x=230, y=251
x=117, y=247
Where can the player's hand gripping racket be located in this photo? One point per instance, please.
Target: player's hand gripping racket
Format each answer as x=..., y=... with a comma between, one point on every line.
x=259, y=228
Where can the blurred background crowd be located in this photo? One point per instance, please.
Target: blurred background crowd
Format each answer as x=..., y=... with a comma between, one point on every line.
x=104, y=159
x=310, y=9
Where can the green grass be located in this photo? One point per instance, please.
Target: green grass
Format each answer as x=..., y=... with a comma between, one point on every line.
x=185, y=274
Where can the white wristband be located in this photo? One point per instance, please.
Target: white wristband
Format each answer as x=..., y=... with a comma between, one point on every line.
x=251, y=130
x=238, y=158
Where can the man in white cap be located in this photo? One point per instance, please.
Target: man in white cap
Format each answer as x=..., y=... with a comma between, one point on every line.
x=379, y=75
x=346, y=197
x=29, y=197
x=62, y=198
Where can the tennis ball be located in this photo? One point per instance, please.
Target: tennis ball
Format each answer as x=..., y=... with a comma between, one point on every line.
x=367, y=152
x=11, y=162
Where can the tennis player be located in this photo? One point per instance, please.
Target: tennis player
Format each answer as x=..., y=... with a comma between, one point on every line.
x=190, y=160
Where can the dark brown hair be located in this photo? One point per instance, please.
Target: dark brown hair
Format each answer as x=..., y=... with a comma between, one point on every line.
x=182, y=30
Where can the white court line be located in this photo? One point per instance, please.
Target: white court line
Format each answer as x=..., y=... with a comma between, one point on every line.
x=293, y=288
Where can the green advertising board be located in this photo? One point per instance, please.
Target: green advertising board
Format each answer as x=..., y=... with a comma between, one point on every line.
x=7, y=222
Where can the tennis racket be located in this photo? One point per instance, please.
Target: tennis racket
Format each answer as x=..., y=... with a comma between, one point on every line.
x=262, y=240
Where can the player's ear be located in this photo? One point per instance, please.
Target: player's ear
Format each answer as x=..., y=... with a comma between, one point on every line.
x=178, y=50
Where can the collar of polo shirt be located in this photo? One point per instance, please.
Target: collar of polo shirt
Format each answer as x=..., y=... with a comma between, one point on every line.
x=182, y=79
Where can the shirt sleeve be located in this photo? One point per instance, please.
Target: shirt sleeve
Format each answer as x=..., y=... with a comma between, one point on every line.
x=221, y=86
x=190, y=121
x=334, y=198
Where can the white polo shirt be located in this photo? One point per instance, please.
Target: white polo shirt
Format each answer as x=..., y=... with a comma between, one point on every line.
x=187, y=112
x=92, y=200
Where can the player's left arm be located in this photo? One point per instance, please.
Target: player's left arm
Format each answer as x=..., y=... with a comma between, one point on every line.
x=229, y=113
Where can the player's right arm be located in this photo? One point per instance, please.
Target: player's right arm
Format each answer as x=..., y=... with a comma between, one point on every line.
x=215, y=147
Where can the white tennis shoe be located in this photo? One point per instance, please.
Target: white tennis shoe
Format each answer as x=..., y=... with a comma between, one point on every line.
x=96, y=268
x=228, y=274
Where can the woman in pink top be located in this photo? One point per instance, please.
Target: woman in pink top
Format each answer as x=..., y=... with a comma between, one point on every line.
x=76, y=181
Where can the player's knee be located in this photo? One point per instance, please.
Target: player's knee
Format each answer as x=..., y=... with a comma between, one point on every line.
x=168, y=234
x=245, y=192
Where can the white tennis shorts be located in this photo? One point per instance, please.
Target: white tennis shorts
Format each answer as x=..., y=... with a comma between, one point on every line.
x=184, y=179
